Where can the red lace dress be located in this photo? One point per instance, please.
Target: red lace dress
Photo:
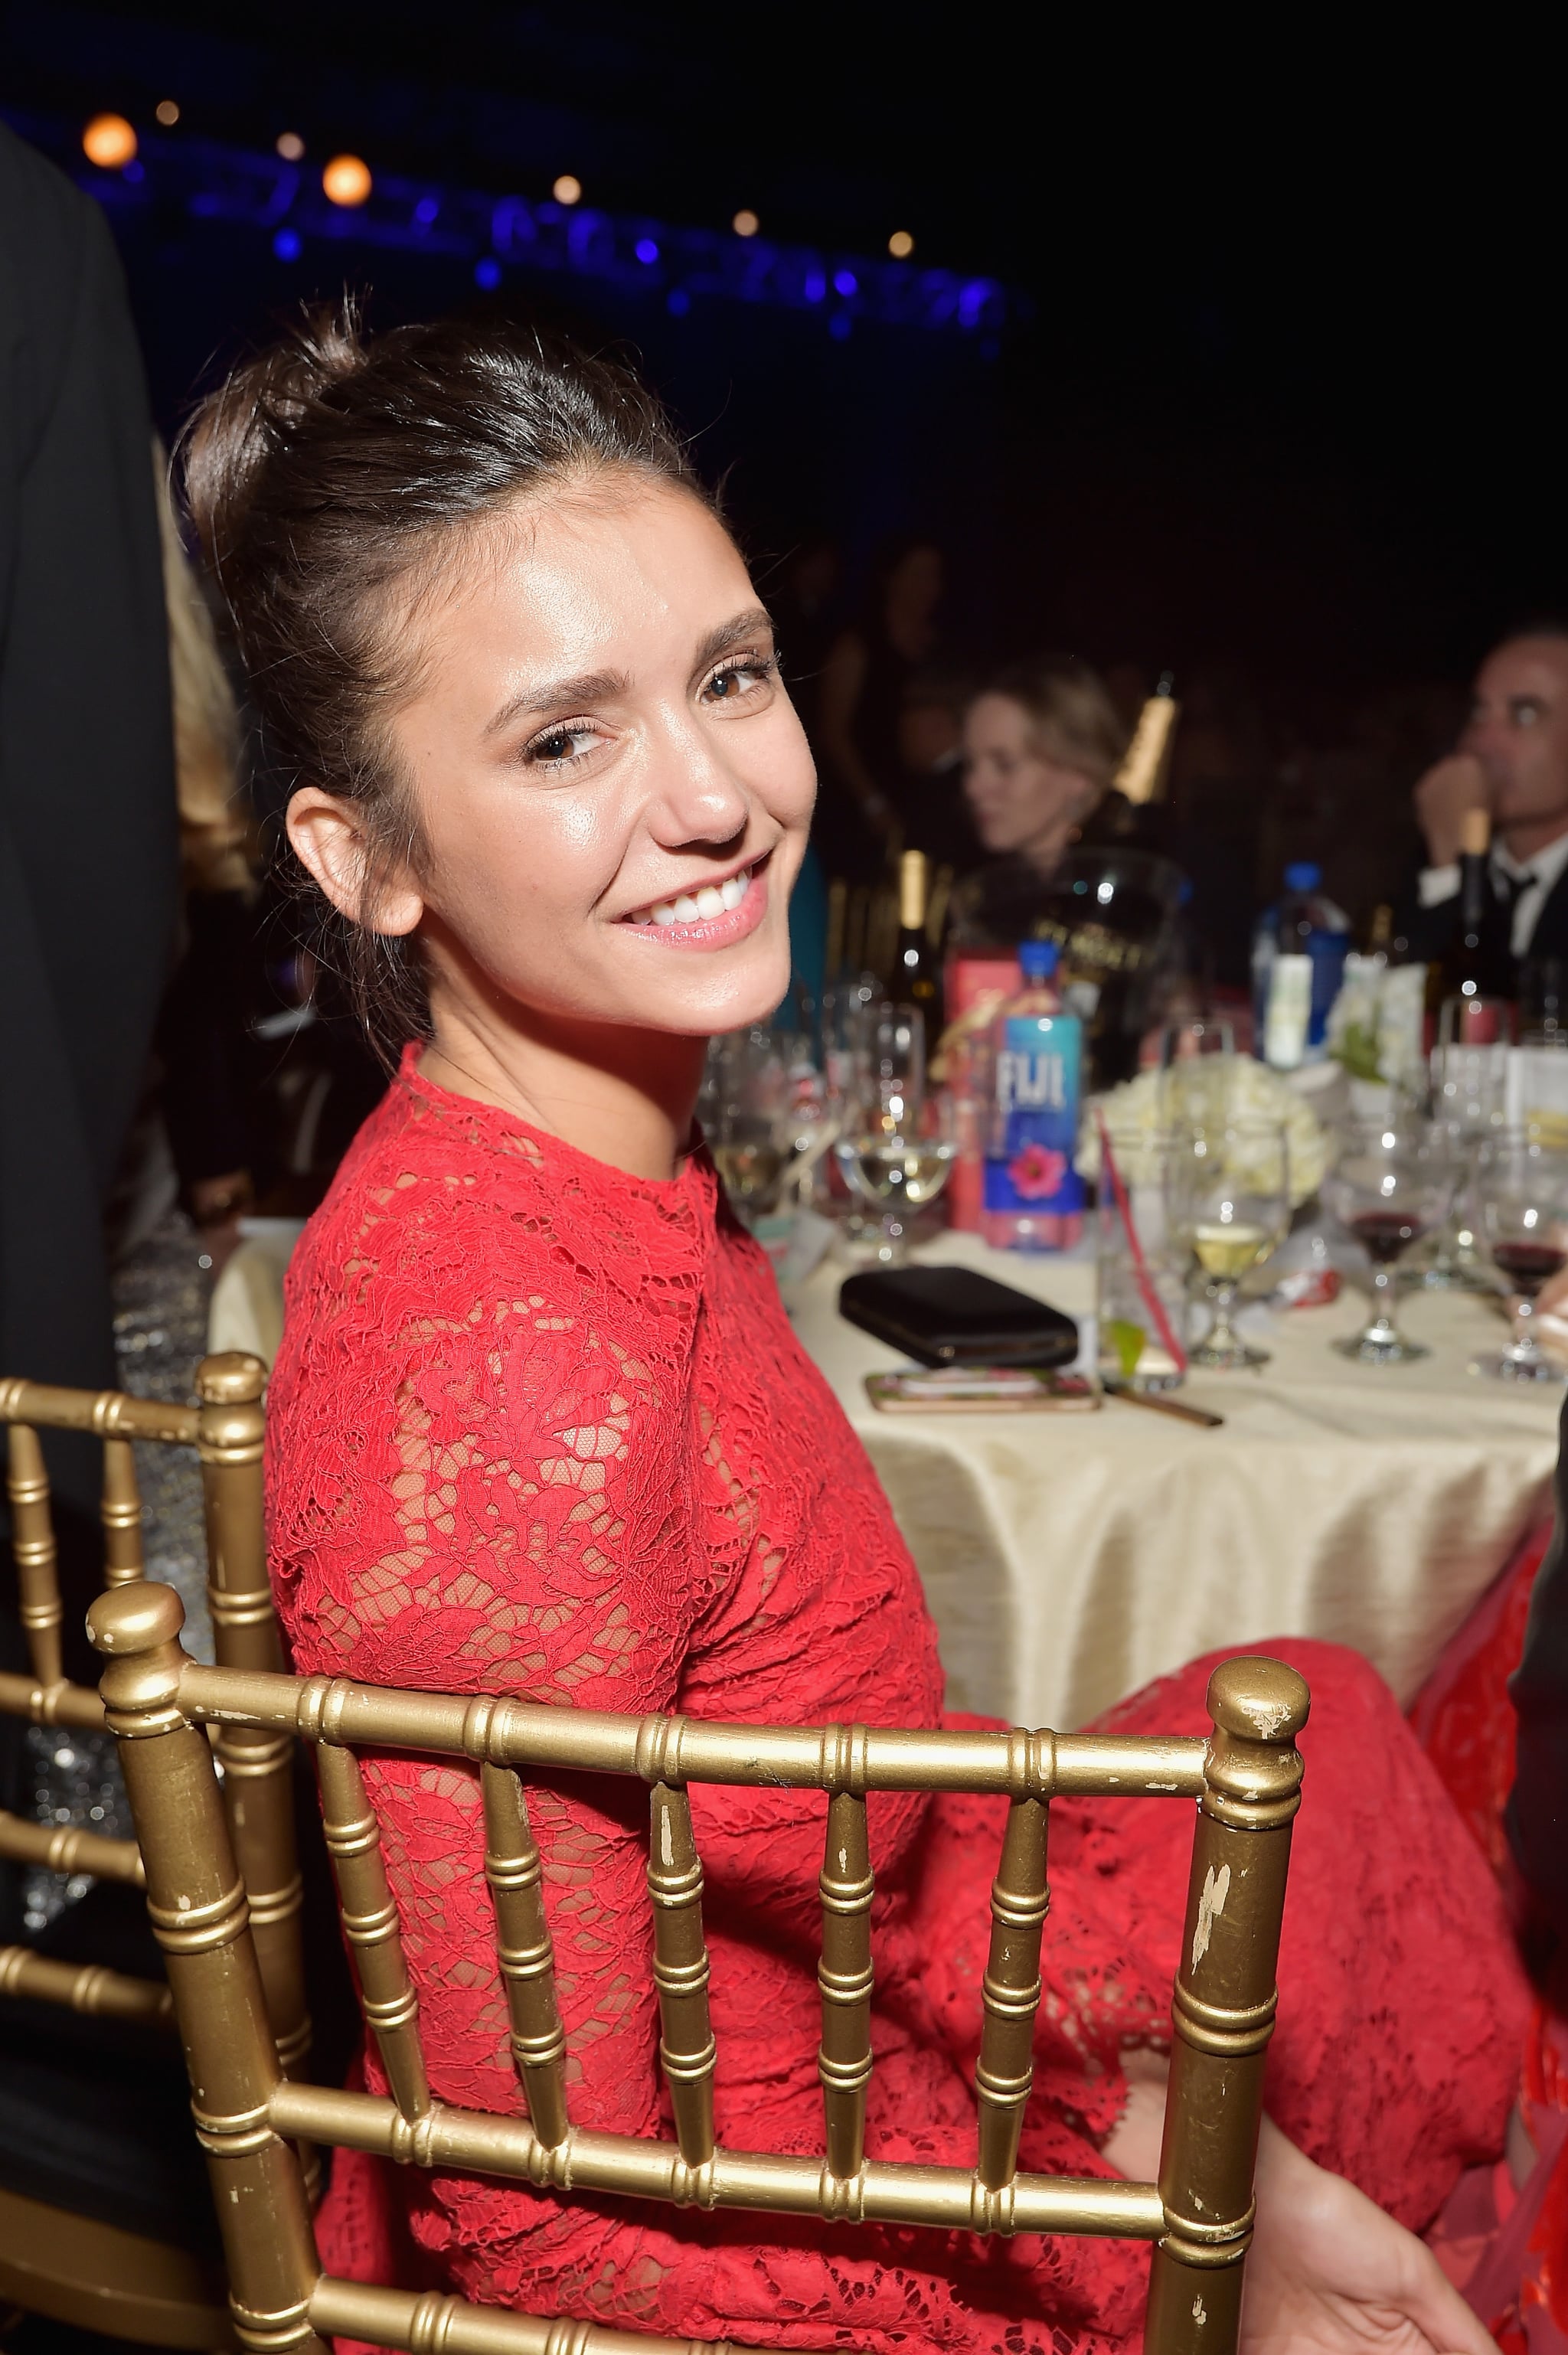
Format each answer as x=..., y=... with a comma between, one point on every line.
x=541, y=1428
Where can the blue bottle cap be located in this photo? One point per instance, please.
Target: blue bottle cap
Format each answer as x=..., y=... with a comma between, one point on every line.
x=1038, y=960
x=1305, y=876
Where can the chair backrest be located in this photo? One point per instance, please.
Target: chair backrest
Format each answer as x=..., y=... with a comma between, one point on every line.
x=226, y=1429
x=1246, y=1778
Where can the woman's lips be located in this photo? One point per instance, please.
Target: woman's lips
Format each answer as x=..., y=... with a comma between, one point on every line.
x=711, y=918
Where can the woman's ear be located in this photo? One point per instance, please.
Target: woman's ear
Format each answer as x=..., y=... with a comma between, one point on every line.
x=330, y=839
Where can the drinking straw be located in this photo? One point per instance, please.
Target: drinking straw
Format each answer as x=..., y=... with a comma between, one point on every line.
x=1145, y=1284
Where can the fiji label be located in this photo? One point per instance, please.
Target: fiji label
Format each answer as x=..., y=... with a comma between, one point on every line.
x=1034, y=1130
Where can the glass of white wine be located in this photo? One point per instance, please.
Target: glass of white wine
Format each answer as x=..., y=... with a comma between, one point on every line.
x=1230, y=1209
x=897, y=1142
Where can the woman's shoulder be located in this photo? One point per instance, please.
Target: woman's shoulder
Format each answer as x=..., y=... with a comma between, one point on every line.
x=448, y=1213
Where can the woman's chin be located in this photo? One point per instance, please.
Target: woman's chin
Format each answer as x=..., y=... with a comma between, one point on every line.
x=699, y=1003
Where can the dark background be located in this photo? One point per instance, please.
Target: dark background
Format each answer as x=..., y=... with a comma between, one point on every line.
x=1280, y=405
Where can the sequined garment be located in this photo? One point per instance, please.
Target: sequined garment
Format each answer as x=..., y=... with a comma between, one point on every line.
x=540, y=1428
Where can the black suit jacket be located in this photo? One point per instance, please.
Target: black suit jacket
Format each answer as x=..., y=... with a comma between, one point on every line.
x=1427, y=932
x=87, y=844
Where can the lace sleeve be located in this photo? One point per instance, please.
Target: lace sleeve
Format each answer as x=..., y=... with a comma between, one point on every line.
x=485, y=1502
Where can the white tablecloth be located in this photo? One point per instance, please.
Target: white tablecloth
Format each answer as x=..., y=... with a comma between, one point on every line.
x=1068, y=1557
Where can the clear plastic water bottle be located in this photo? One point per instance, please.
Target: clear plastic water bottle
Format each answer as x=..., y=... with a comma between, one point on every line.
x=1034, y=1195
x=1298, y=962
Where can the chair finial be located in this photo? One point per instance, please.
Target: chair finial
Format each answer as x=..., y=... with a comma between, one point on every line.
x=131, y=1620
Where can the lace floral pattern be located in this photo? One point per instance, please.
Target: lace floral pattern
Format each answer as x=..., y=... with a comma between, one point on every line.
x=539, y=1428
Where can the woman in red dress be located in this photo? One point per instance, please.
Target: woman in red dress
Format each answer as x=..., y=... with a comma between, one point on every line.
x=539, y=1427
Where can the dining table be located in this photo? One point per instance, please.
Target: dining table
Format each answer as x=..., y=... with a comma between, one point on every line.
x=1069, y=1557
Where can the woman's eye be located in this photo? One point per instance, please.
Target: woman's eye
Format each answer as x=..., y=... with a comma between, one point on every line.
x=558, y=748
x=742, y=676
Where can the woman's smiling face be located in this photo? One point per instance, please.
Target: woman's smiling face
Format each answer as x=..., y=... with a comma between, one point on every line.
x=611, y=782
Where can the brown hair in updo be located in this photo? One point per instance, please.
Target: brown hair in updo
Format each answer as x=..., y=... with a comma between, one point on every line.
x=331, y=471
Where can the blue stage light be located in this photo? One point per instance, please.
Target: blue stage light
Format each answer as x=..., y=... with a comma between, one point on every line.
x=426, y=211
x=678, y=302
x=839, y=325
x=488, y=273
x=646, y=250
x=286, y=245
x=814, y=285
x=845, y=281
x=133, y=170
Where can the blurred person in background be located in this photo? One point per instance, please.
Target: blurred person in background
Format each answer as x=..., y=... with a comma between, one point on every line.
x=1511, y=760
x=88, y=852
x=1071, y=860
x=802, y=597
x=861, y=701
x=932, y=808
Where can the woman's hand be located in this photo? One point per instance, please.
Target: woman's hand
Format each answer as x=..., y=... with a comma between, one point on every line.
x=1330, y=2274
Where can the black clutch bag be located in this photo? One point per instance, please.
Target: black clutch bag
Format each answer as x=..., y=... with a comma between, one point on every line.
x=951, y=1316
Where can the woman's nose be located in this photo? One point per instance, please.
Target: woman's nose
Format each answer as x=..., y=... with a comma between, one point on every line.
x=696, y=797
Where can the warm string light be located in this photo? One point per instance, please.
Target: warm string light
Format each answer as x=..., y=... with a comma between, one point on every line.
x=290, y=146
x=900, y=245
x=167, y=111
x=346, y=180
x=568, y=189
x=746, y=223
x=109, y=143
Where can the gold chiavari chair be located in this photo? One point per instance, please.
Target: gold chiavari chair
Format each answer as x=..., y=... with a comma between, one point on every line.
x=85, y=2268
x=1245, y=1778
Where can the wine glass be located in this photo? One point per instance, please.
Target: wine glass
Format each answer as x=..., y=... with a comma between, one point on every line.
x=1197, y=1060
x=745, y=1111
x=1522, y=1189
x=1228, y=1209
x=1393, y=1184
x=896, y=1142
x=1467, y=1089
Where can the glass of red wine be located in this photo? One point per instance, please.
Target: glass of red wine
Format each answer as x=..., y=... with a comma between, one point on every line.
x=1522, y=1189
x=1393, y=1184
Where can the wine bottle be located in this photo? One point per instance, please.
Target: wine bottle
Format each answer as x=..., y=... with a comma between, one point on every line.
x=1468, y=965
x=917, y=974
x=1141, y=774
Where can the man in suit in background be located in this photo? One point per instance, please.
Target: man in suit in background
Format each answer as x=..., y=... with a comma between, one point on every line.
x=88, y=851
x=1511, y=760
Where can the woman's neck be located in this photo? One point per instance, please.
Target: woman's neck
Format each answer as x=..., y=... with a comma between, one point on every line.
x=625, y=1097
x=1045, y=851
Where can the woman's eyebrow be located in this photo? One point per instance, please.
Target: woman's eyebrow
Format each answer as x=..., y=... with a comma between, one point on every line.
x=554, y=695
x=744, y=625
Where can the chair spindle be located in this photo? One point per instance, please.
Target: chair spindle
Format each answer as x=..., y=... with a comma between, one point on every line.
x=514, y=1872
x=1005, y=2073
x=88, y=1987
x=370, y=1924
x=32, y=1544
x=1224, y=2007
x=123, y=1557
x=680, y=1971
x=196, y=1900
x=845, y=1977
x=258, y=1767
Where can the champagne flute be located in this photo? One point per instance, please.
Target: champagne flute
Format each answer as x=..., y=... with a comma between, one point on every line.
x=1522, y=1188
x=1229, y=1209
x=1394, y=1183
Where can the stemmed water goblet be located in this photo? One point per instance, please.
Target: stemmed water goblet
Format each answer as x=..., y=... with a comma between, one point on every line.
x=1522, y=1187
x=896, y=1142
x=1393, y=1184
x=1229, y=1208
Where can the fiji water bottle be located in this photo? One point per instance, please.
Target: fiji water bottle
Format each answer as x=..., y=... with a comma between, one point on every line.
x=1034, y=1197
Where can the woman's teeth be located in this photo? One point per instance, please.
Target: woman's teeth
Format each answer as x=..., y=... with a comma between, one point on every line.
x=698, y=908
